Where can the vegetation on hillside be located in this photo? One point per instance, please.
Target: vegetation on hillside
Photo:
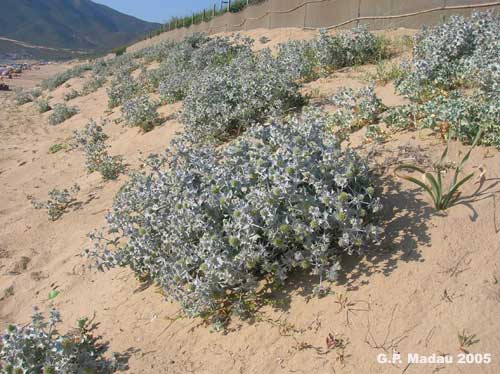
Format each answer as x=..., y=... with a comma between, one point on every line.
x=258, y=185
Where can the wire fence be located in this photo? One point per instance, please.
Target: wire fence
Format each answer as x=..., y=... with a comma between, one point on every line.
x=332, y=14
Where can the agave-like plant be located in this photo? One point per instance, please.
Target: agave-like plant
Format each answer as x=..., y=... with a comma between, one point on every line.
x=433, y=185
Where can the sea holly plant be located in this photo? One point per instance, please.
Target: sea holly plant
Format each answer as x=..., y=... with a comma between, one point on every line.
x=208, y=223
x=307, y=60
x=58, y=203
x=57, y=80
x=38, y=347
x=93, y=140
x=141, y=112
x=23, y=97
x=43, y=105
x=61, y=113
x=71, y=94
x=93, y=84
x=355, y=109
x=227, y=99
x=453, y=79
x=123, y=88
x=442, y=197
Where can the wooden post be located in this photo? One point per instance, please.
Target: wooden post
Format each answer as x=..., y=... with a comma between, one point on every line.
x=269, y=15
x=359, y=13
x=203, y=15
x=213, y=12
x=228, y=5
x=305, y=16
x=192, y=19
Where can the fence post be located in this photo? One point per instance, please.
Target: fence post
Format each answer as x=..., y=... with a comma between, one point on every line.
x=359, y=13
x=305, y=16
x=213, y=11
x=444, y=12
x=228, y=6
x=269, y=15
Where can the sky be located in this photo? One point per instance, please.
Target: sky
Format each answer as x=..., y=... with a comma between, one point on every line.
x=158, y=10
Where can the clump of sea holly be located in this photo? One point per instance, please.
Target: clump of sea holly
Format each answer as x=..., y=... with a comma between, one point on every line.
x=453, y=79
x=43, y=105
x=93, y=84
x=348, y=48
x=141, y=112
x=57, y=80
x=355, y=108
x=308, y=60
x=58, y=203
x=36, y=92
x=123, y=88
x=93, y=140
x=207, y=224
x=38, y=347
x=61, y=113
x=23, y=97
x=227, y=99
x=71, y=94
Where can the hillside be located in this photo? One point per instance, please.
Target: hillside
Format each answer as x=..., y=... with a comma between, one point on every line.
x=428, y=285
x=69, y=24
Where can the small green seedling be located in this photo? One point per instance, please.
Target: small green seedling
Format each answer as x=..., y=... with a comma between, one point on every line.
x=433, y=185
x=53, y=294
x=465, y=340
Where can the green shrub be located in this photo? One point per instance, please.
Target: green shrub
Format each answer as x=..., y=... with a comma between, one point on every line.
x=120, y=50
x=54, y=148
x=23, y=97
x=43, y=105
x=57, y=80
x=61, y=113
x=71, y=94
